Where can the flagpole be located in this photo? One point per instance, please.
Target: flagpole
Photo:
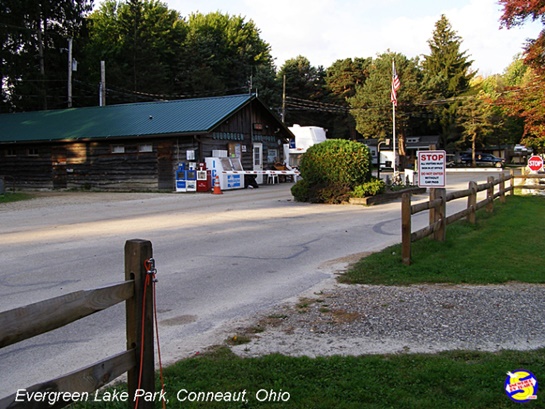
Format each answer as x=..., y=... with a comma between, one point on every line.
x=394, y=134
x=394, y=103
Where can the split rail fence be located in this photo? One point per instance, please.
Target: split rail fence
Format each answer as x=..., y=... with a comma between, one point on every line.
x=437, y=206
x=31, y=320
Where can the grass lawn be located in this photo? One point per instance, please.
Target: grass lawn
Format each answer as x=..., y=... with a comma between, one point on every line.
x=14, y=197
x=500, y=248
x=506, y=245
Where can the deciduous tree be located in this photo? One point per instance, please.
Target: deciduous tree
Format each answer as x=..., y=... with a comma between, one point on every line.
x=371, y=105
x=527, y=99
x=475, y=116
x=34, y=35
x=140, y=41
x=517, y=12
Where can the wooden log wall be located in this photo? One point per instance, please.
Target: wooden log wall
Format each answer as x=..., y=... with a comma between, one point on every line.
x=87, y=165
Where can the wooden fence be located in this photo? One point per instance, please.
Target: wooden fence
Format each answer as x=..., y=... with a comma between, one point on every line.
x=25, y=322
x=437, y=206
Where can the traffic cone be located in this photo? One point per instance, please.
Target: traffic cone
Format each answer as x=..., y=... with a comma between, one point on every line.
x=217, y=188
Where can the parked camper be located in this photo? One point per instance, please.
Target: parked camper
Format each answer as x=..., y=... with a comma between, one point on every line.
x=305, y=137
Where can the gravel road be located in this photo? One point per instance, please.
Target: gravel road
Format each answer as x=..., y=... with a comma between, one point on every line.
x=364, y=319
x=332, y=319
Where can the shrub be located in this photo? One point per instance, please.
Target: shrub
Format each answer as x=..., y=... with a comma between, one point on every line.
x=301, y=191
x=372, y=188
x=331, y=194
x=331, y=169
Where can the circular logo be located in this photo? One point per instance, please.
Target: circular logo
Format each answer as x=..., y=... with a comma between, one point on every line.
x=521, y=386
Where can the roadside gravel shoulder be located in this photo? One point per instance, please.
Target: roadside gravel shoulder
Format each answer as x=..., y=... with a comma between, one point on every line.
x=364, y=319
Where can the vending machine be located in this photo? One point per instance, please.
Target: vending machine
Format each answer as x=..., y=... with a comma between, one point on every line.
x=191, y=178
x=229, y=170
x=181, y=178
x=204, y=179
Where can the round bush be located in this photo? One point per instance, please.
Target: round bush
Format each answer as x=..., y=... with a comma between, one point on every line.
x=331, y=169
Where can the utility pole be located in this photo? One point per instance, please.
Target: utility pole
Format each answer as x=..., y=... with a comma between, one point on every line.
x=70, y=73
x=102, y=89
x=284, y=99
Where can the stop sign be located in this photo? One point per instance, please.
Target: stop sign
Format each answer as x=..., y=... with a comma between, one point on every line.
x=535, y=163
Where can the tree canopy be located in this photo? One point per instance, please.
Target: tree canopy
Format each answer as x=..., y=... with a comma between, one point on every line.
x=34, y=35
x=371, y=105
x=515, y=13
x=159, y=54
x=152, y=52
x=526, y=100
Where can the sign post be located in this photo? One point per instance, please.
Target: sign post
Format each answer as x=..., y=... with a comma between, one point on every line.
x=535, y=163
x=432, y=169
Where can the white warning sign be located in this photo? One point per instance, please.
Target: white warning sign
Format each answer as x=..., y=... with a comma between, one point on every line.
x=432, y=168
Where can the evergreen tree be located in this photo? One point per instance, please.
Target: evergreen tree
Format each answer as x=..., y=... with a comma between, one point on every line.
x=304, y=83
x=447, y=70
x=342, y=79
x=447, y=74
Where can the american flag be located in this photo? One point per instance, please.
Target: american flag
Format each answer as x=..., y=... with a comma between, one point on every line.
x=395, y=85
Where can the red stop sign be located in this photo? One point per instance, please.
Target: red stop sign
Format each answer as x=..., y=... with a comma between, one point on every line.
x=535, y=163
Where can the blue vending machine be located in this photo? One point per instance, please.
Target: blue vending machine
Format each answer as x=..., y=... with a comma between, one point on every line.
x=181, y=178
x=191, y=178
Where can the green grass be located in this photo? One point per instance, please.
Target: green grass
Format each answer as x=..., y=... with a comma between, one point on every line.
x=505, y=246
x=458, y=379
x=8, y=197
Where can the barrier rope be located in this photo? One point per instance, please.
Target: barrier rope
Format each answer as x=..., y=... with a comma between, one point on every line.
x=151, y=272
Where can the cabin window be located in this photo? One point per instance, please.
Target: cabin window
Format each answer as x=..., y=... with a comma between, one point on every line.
x=32, y=152
x=145, y=148
x=10, y=153
x=118, y=149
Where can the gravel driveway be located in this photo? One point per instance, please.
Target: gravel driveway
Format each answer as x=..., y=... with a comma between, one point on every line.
x=364, y=319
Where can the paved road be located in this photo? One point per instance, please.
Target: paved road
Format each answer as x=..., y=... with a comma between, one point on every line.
x=219, y=259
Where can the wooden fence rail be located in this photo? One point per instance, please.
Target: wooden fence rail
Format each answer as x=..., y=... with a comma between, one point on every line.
x=438, y=202
x=25, y=322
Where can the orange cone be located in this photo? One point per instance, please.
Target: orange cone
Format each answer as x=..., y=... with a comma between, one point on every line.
x=217, y=188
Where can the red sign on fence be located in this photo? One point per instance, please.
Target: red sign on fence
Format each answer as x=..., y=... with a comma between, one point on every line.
x=535, y=163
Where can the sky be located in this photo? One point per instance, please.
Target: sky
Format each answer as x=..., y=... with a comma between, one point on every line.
x=324, y=31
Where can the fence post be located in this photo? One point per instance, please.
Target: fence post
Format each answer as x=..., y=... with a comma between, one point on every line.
x=502, y=187
x=472, y=202
x=136, y=253
x=512, y=181
x=440, y=214
x=406, y=228
x=490, y=194
x=432, y=212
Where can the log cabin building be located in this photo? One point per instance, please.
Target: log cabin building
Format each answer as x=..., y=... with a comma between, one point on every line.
x=135, y=146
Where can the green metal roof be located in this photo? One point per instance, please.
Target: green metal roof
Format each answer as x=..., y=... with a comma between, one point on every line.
x=197, y=115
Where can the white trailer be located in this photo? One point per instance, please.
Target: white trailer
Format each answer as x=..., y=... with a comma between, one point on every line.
x=305, y=137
